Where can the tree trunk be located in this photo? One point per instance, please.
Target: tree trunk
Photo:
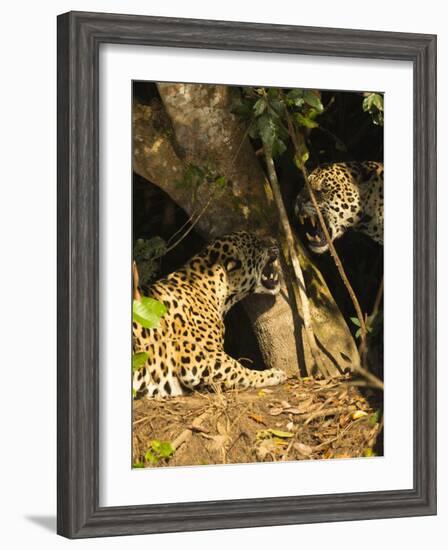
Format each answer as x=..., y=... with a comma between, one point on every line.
x=195, y=125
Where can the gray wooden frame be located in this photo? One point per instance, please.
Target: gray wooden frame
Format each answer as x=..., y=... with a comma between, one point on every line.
x=79, y=37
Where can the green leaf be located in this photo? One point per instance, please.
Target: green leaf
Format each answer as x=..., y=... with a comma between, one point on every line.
x=368, y=452
x=278, y=147
x=378, y=101
x=301, y=156
x=242, y=109
x=367, y=102
x=151, y=458
x=155, y=444
x=147, y=249
x=356, y=322
x=163, y=449
x=273, y=93
x=147, y=253
x=294, y=98
x=260, y=106
x=373, y=101
x=305, y=121
x=221, y=181
x=312, y=98
x=138, y=465
x=148, y=311
x=139, y=360
x=277, y=106
x=373, y=104
x=267, y=130
x=159, y=449
x=375, y=418
x=166, y=450
x=253, y=130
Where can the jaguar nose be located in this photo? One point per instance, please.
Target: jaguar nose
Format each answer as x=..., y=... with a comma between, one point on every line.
x=274, y=253
x=272, y=247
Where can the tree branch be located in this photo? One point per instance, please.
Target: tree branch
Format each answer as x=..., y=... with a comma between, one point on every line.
x=301, y=293
x=334, y=254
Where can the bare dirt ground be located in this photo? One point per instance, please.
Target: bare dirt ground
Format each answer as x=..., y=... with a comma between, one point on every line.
x=302, y=419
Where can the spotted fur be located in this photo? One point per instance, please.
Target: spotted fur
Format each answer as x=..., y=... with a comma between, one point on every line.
x=186, y=350
x=350, y=196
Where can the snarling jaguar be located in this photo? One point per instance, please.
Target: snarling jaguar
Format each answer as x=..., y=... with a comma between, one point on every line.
x=349, y=195
x=186, y=350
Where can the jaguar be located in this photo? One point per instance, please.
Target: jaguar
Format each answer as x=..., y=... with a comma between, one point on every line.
x=349, y=196
x=186, y=350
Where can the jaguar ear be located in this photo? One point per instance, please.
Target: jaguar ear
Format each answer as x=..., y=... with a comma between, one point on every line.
x=213, y=258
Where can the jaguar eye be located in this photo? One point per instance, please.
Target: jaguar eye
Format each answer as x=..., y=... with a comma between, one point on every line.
x=232, y=265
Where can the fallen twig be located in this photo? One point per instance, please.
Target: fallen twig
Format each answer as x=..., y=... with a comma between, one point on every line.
x=327, y=412
x=184, y=436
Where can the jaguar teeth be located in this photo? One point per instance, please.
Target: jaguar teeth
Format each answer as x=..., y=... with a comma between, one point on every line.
x=301, y=220
x=312, y=237
x=313, y=221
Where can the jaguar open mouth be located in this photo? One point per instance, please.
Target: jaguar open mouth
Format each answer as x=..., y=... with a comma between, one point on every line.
x=314, y=233
x=270, y=274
